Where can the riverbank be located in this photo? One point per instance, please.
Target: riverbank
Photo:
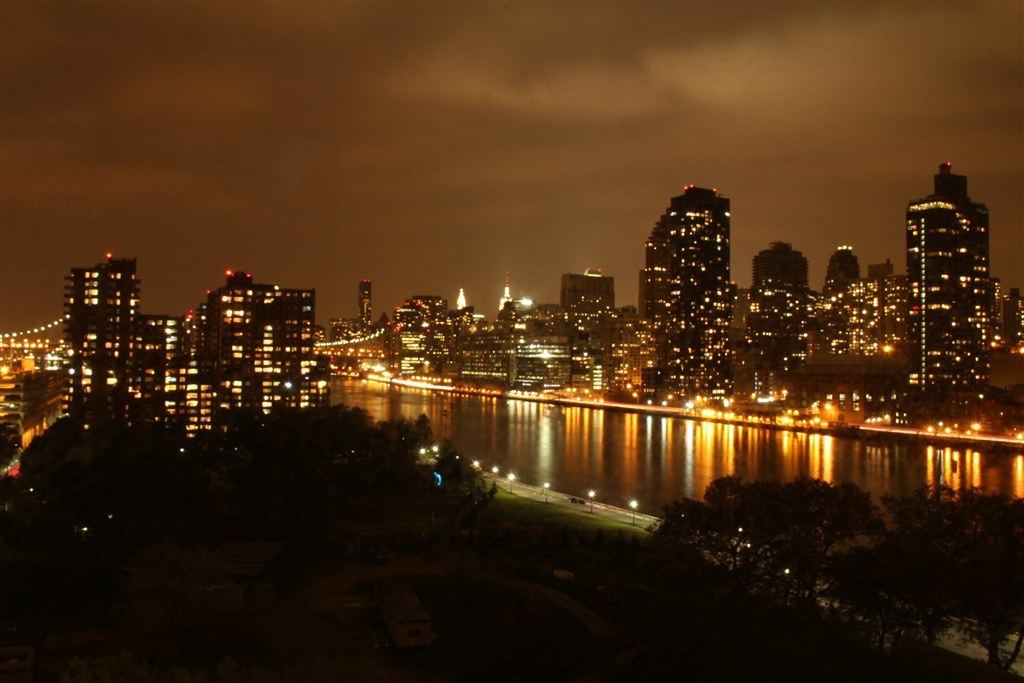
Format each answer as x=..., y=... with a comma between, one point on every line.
x=940, y=438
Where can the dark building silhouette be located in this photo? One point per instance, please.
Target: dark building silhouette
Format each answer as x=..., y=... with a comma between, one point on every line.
x=1012, y=319
x=843, y=270
x=365, y=303
x=949, y=299
x=655, y=280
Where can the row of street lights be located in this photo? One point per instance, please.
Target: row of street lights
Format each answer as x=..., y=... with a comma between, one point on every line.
x=633, y=503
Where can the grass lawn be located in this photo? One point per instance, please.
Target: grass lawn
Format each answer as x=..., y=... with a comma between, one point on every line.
x=508, y=507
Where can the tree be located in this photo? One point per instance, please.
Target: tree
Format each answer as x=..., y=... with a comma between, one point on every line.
x=990, y=564
x=778, y=538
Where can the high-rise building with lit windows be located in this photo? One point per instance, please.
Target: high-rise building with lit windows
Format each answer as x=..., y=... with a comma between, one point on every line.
x=837, y=307
x=877, y=316
x=101, y=306
x=949, y=298
x=158, y=357
x=700, y=294
x=779, y=312
x=255, y=351
x=423, y=339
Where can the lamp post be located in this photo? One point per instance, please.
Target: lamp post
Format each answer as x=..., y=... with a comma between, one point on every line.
x=546, y=487
x=511, y=480
x=591, y=494
x=632, y=506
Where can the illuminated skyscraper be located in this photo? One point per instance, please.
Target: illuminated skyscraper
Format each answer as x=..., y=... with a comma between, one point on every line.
x=779, y=307
x=836, y=307
x=948, y=273
x=701, y=294
x=506, y=296
x=101, y=306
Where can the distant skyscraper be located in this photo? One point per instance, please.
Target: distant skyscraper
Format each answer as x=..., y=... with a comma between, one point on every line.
x=843, y=270
x=779, y=306
x=506, y=296
x=835, y=307
x=365, y=303
x=423, y=336
x=101, y=304
x=877, y=322
x=588, y=300
x=460, y=303
x=701, y=294
x=1012, y=318
x=948, y=272
x=655, y=280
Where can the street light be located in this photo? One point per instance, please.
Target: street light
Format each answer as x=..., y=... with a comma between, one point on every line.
x=633, y=505
x=591, y=493
x=546, y=487
x=511, y=480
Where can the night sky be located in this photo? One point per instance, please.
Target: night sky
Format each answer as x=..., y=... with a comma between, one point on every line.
x=436, y=146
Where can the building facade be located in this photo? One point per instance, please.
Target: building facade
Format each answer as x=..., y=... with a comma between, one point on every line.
x=700, y=296
x=779, y=312
x=101, y=307
x=949, y=300
x=254, y=350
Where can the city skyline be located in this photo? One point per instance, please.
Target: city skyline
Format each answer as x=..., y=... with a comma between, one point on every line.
x=296, y=142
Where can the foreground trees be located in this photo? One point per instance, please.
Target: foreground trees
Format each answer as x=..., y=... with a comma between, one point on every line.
x=87, y=502
x=946, y=558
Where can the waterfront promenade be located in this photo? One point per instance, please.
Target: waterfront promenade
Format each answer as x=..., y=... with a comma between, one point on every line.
x=586, y=505
x=938, y=435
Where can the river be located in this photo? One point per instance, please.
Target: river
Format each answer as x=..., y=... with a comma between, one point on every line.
x=657, y=459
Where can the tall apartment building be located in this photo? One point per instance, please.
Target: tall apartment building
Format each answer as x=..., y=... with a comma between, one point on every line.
x=588, y=302
x=835, y=305
x=779, y=307
x=687, y=294
x=101, y=306
x=253, y=349
x=948, y=272
x=159, y=360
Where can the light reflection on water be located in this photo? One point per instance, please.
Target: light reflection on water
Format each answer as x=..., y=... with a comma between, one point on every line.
x=659, y=459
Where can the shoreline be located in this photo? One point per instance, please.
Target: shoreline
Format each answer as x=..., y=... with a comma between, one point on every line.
x=1007, y=445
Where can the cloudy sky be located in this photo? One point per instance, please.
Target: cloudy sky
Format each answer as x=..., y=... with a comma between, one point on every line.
x=433, y=146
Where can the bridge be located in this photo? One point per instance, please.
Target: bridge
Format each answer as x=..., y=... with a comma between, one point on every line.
x=351, y=354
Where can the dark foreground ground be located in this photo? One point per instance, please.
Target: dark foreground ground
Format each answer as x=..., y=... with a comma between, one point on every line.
x=539, y=592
